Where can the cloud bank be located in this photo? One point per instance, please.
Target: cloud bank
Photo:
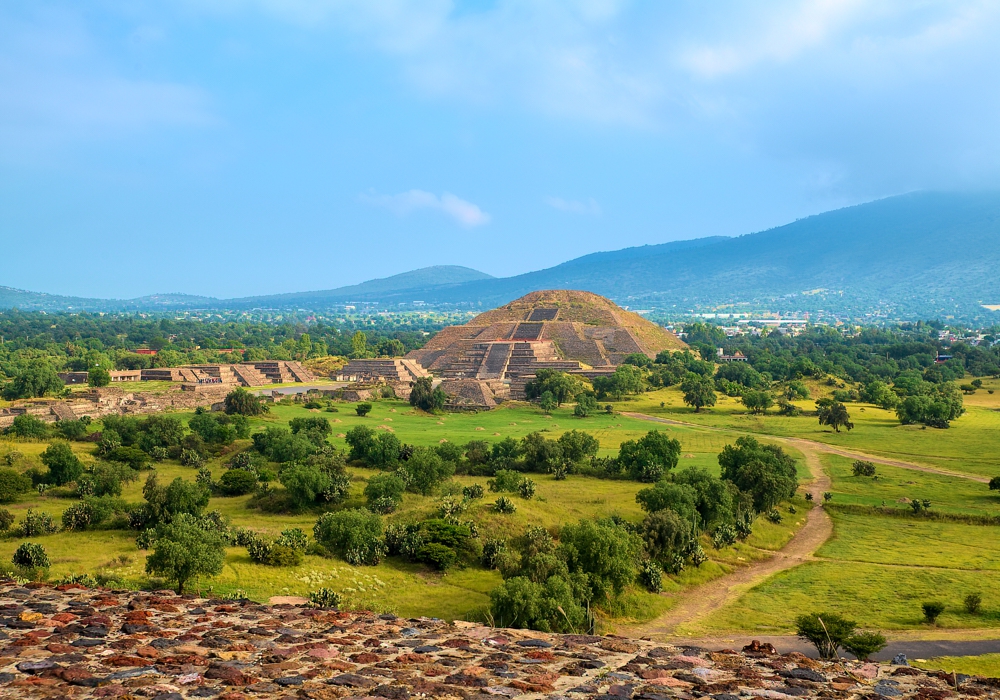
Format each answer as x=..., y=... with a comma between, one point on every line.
x=459, y=210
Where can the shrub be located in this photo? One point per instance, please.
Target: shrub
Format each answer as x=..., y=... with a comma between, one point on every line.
x=6, y=519
x=439, y=556
x=76, y=517
x=356, y=535
x=305, y=483
x=424, y=396
x=132, y=456
x=774, y=516
x=27, y=426
x=191, y=458
x=35, y=524
x=651, y=576
x=973, y=602
x=504, y=481
x=386, y=490
x=473, y=492
x=363, y=409
x=237, y=482
x=242, y=402
x=932, y=611
x=864, y=644
x=64, y=466
x=550, y=606
x=324, y=598
x=826, y=631
x=493, y=551
x=504, y=506
x=526, y=488
x=995, y=483
x=724, y=536
x=184, y=550
x=31, y=556
x=12, y=485
x=425, y=470
x=863, y=468
x=650, y=457
x=273, y=553
x=765, y=472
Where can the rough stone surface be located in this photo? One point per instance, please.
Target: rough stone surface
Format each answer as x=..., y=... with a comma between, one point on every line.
x=167, y=647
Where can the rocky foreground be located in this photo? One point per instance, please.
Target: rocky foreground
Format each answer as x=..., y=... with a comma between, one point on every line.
x=69, y=641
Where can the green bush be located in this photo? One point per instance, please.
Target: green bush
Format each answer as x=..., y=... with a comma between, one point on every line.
x=439, y=556
x=184, y=550
x=932, y=611
x=324, y=598
x=864, y=644
x=385, y=490
x=237, y=482
x=305, y=484
x=12, y=485
x=526, y=489
x=665, y=534
x=6, y=519
x=493, y=551
x=724, y=536
x=31, y=556
x=64, y=466
x=35, y=524
x=27, y=426
x=550, y=606
x=363, y=409
x=651, y=576
x=504, y=506
x=76, y=517
x=826, y=631
x=242, y=402
x=973, y=602
x=863, y=468
x=505, y=481
x=650, y=457
x=425, y=471
x=473, y=492
x=356, y=535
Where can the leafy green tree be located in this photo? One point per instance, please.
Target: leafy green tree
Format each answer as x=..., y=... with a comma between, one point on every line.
x=13, y=484
x=363, y=409
x=765, y=472
x=878, y=392
x=935, y=410
x=356, y=535
x=826, y=631
x=605, y=552
x=757, y=402
x=27, y=426
x=714, y=499
x=664, y=495
x=665, y=534
x=280, y=445
x=547, y=401
x=425, y=471
x=563, y=386
x=540, y=455
x=384, y=486
x=237, y=482
x=834, y=414
x=30, y=555
x=242, y=402
x=315, y=428
x=698, y=391
x=98, y=376
x=586, y=405
x=864, y=644
x=184, y=550
x=425, y=396
x=359, y=345
x=626, y=380
x=550, y=606
x=578, y=446
x=650, y=457
x=34, y=381
x=64, y=466
x=305, y=483
x=795, y=389
x=932, y=611
x=73, y=429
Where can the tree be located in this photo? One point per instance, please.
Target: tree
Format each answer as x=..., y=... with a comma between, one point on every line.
x=184, y=550
x=578, y=446
x=765, y=472
x=666, y=495
x=834, y=414
x=242, y=402
x=27, y=426
x=359, y=345
x=12, y=485
x=357, y=535
x=586, y=404
x=382, y=487
x=563, y=386
x=757, y=402
x=864, y=644
x=935, y=410
x=665, y=534
x=34, y=381
x=426, y=470
x=30, y=556
x=713, y=496
x=363, y=409
x=826, y=631
x=540, y=454
x=98, y=376
x=878, y=393
x=304, y=483
x=426, y=397
x=649, y=457
x=238, y=482
x=64, y=466
x=606, y=553
x=627, y=379
x=698, y=391
x=863, y=468
x=932, y=611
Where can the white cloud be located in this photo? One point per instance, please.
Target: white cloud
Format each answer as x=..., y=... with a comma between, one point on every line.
x=576, y=207
x=462, y=212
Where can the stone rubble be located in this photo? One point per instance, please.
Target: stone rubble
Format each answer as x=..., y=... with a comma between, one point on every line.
x=70, y=641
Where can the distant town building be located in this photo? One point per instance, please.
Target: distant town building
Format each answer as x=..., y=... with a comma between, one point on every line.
x=738, y=356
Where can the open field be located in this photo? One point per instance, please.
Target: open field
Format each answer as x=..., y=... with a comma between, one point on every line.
x=970, y=445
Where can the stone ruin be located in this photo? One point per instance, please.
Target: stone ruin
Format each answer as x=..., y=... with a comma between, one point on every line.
x=68, y=641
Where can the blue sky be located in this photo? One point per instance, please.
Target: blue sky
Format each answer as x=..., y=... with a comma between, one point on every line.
x=236, y=147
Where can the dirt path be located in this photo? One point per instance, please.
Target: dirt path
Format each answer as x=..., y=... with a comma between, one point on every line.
x=700, y=601
x=803, y=443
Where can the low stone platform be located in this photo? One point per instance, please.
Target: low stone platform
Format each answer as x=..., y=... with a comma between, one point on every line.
x=69, y=641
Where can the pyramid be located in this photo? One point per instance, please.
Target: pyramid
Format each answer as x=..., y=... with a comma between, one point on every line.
x=557, y=329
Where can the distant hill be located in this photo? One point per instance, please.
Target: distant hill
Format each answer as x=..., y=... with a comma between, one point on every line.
x=918, y=255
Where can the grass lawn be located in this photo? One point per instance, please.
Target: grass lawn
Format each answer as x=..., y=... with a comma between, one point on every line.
x=985, y=665
x=970, y=445
x=947, y=494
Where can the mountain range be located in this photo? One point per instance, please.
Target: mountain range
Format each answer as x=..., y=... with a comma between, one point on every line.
x=919, y=255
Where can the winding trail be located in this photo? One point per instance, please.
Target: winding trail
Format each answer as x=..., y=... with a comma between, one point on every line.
x=700, y=601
